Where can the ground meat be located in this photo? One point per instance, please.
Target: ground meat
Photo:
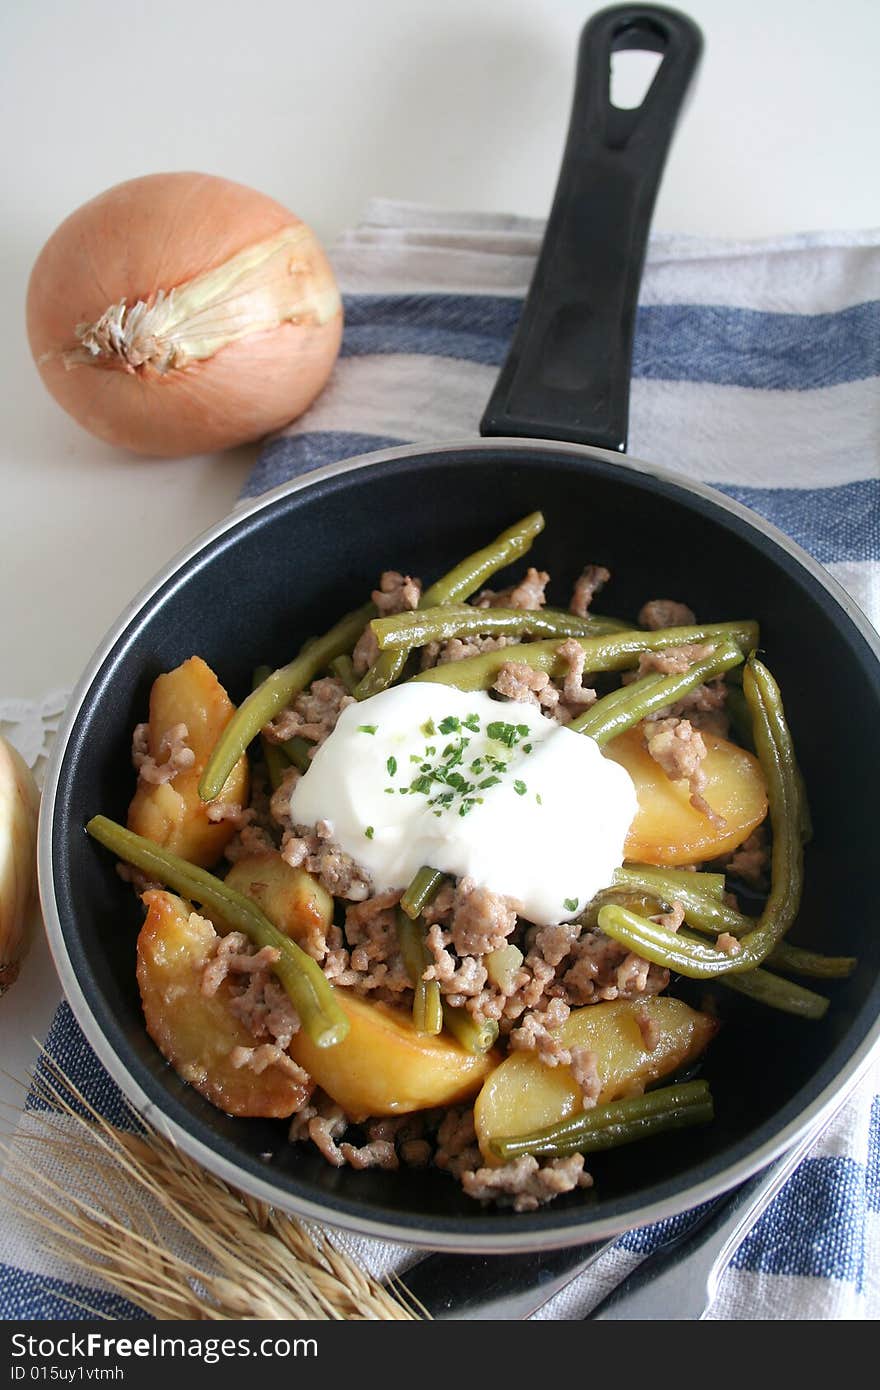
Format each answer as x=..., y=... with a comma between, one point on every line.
x=677, y=747
x=442, y=906
x=665, y=612
x=373, y=963
x=592, y=972
x=750, y=861
x=704, y=707
x=674, y=661
x=524, y=1184
x=458, y=649
x=527, y=595
x=234, y=955
x=649, y=1028
x=173, y=754
x=457, y=1149
x=632, y=976
x=481, y=921
x=257, y=1059
x=312, y=849
x=415, y=1153
x=397, y=593
x=592, y=579
x=323, y=1122
x=517, y=681
x=313, y=714
x=366, y=651
x=251, y=839
x=574, y=692
x=458, y=981
x=379, y=1154
x=585, y=1070
x=534, y=1034
x=231, y=812
x=279, y=806
x=671, y=920
x=728, y=944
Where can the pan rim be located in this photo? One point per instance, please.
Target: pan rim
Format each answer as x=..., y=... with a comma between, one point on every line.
x=489, y=1242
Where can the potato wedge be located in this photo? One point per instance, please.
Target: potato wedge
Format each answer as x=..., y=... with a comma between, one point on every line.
x=667, y=829
x=173, y=814
x=291, y=898
x=523, y=1095
x=194, y=1032
x=384, y=1067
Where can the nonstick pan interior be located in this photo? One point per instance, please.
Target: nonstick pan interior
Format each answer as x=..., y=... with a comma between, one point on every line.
x=256, y=590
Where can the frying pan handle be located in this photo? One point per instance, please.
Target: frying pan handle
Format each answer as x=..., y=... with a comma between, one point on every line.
x=567, y=372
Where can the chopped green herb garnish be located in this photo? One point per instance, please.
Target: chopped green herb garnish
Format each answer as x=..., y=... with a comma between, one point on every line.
x=489, y=782
x=389, y=791
x=369, y=832
x=391, y=766
x=570, y=904
x=473, y=723
x=527, y=747
x=428, y=728
x=539, y=798
x=520, y=787
x=522, y=730
x=367, y=728
x=450, y=725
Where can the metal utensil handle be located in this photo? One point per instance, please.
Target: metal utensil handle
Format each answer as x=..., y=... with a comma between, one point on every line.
x=567, y=372
x=679, y=1282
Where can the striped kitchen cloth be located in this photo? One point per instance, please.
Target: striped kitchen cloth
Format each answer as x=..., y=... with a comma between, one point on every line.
x=755, y=369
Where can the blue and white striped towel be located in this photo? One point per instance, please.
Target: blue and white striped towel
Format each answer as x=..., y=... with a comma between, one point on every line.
x=755, y=369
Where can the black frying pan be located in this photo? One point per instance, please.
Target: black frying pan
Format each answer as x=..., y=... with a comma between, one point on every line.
x=256, y=586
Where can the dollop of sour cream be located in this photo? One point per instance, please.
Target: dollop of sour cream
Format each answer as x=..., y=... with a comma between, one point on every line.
x=426, y=774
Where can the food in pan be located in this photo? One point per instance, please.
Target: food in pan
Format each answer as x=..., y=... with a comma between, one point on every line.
x=438, y=915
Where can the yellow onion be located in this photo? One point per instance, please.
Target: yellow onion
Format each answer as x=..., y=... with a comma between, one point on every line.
x=182, y=313
x=19, y=804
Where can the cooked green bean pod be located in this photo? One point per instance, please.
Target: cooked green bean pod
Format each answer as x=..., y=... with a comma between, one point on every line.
x=427, y=1007
x=421, y=891
x=297, y=750
x=662, y=881
x=474, y=1037
x=776, y=755
x=776, y=993
x=457, y=585
x=618, y=1122
x=273, y=756
x=343, y=669
x=613, y=651
x=269, y=699
x=630, y=704
x=711, y=914
x=407, y=630
x=310, y=992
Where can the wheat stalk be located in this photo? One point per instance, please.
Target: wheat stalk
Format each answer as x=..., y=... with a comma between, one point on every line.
x=129, y=1201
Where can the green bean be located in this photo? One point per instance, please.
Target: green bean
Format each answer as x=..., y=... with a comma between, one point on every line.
x=776, y=755
x=618, y=1122
x=342, y=668
x=274, y=694
x=643, y=875
x=457, y=585
x=408, y=630
x=311, y=994
x=421, y=891
x=297, y=750
x=610, y=652
x=427, y=1008
x=273, y=756
x=785, y=995
x=715, y=916
x=630, y=704
x=474, y=1037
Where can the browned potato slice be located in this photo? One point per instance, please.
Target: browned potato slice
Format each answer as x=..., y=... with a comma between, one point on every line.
x=667, y=829
x=291, y=898
x=194, y=1032
x=524, y=1095
x=172, y=814
x=384, y=1067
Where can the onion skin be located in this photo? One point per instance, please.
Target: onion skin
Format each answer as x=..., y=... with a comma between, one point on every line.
x=152, y=235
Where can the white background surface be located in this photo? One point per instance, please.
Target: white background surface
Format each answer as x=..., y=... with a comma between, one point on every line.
x=462, y=103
